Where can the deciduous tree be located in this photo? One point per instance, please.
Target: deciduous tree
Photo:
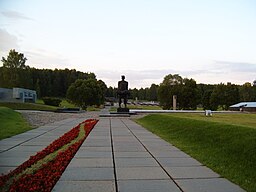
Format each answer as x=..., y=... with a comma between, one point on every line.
x=14, y=71
x=84, y=93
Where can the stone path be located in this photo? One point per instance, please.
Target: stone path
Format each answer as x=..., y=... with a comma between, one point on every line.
x=118, y=155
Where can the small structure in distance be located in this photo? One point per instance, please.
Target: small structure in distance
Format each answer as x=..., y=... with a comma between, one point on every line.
x=17, y=95
x=244, y=106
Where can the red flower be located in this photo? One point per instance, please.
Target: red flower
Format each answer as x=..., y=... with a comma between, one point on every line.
x=45, y=178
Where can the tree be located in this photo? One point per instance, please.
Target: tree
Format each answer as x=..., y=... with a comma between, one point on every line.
x=14, y=71
x=189, y=94
x=84, y=93
x=134, y=93
x=14, y=60
x=170, y=86
x=165, y=96
x=206, y=99
x=153, y=92
x=231, y=95
x=204, y=94
x=246, y=92
x=218, y=97
x=103, y=88
x=110, y=92
x=224, y=96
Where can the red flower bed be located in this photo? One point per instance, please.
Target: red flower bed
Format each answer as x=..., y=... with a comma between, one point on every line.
x=45, y=178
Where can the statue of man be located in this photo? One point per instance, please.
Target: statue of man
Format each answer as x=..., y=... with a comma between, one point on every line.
x=122, y=91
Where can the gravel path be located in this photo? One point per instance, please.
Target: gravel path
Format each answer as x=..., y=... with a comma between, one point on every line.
x=40, y=118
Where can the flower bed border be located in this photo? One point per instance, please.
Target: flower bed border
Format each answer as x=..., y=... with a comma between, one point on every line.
x=49, y=173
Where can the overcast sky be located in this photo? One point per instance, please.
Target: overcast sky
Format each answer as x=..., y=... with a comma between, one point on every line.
x=211, y=41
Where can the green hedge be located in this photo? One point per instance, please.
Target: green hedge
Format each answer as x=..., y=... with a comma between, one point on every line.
x=52, y=101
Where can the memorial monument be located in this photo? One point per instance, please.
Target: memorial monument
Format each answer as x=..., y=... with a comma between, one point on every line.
x=123, y=92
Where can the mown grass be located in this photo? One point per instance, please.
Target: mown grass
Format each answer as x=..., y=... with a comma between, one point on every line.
x=28, y=106
x=144, y=107
x=11, y=123
x=64, y=103
x=228, y=149
x=243, y=119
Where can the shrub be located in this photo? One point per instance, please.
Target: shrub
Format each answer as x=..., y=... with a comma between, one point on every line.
x=52, y=101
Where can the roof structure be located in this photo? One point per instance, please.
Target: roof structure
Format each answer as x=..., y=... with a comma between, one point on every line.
x=244, y=104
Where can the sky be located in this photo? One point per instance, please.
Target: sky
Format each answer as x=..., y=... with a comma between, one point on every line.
x=210, y=41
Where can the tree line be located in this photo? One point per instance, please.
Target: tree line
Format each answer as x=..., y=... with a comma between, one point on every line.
x=84, y=89
x=191, y=95
x=47, y=82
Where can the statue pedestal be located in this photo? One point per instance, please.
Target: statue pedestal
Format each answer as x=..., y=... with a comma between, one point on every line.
x=123, y=110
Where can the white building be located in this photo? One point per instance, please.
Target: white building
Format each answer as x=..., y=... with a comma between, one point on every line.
x=17, y=95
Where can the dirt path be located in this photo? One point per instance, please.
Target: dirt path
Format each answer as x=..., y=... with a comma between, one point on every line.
x=40, y=118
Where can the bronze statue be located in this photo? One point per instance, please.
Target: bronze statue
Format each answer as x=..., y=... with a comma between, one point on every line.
x=122, y=91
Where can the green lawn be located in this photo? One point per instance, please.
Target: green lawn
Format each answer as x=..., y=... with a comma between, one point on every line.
x=228, y=149
x=28, y=106
x=11, y=123
x=64, y=103
x=243, y=119
x=144, y=107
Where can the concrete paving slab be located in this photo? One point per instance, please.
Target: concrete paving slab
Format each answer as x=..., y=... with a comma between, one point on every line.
x=147, y=186
x=87, y=174
x=86, y=148
x=88, y=186
x=145, y=173
x=174, y=153
x=191, y=172
x=28, y=148
x=15, y=154
x=163, y=148
x=97, y=143
x=91, y=162
x=124, y=139
x=142, y=154
x=136, y=162
x=36, y=143
x=5, y=170
x=11, y=142
x=93, y=154
x=178, y=162
x=98, y=137
x=209, y=185
x=129, y=148
x=11, y=161
x=5, y=147
x=100, y=133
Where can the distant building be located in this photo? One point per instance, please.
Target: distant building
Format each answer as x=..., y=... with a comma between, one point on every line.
x=244, y=106
x=254, y=83
x=17, y=95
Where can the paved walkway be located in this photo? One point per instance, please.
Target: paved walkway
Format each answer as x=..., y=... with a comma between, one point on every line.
x=118, y=155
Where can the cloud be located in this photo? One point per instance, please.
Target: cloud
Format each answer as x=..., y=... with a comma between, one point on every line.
x=231, y=66
x=40, y=58
x=8, y=41
x=15, y=15
x=138, y=78
x=217, y=72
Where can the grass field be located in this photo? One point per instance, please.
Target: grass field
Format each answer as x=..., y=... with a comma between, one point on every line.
x=225, y=142
x=11, y=123
x=243, y=119
x=64, y=103
x=28, y=106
